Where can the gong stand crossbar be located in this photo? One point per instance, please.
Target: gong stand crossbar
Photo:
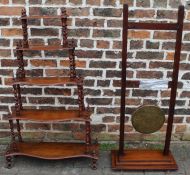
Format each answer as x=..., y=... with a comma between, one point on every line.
x=148, y=159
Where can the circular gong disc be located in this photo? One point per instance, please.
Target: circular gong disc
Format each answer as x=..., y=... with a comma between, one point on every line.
x=148, y=119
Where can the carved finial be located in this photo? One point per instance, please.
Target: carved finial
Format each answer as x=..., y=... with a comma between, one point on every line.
x=23, y=12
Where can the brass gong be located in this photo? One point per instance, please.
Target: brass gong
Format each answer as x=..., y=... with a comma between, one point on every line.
x=148, y=119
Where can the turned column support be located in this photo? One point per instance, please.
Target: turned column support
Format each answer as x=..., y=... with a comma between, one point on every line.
x=19, y=53
x=64, y=26
x=80, y=94
x=17, y=105
x=24, y=28
x=72, y=61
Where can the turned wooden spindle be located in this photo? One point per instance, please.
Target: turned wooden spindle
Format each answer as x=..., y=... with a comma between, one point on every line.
x=64, y=26
x=24, y=28
x=72, y=63
x=19, y=53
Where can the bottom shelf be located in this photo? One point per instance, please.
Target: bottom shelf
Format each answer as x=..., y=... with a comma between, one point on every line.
x=52, y=150
x=143, y=160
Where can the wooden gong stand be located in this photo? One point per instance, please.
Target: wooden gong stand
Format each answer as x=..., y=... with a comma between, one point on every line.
x=148, y=159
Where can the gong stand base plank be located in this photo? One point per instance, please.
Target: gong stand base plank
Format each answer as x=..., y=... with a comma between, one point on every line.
x=142, y=160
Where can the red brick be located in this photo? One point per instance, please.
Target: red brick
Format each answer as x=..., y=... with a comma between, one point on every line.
x=76, y=2
x=43, y=11
x=4, y=1
x=170, y=56
x=35, y=2
x=58, y=2
x=102, y=44
x=180, y=128
x=141, y=3
x=78, y=11
x=106, y=33
x=117, y=44
x=89, y=54
x=79, y=32
x=142, y=13
x=44, y=32
x=89, y=22
x=110, y=2
x=87, y=43
x=164, y=35
x=108, y=119
x=129, y=2
x=11, y=32
x=79, y=63
x=107, y=12
x=132, y=34
x=166, y=14
x=18, y=1
x=4, y=42
x=41, y=100
x=149, y=74
x=10, y=11
x=56, y=22
x=92, y=2
x=5, y=52
x=44, y=63
x=4, y=22
x=57, y=91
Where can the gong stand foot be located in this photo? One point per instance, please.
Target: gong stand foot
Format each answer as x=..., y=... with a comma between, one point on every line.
x=142, y=160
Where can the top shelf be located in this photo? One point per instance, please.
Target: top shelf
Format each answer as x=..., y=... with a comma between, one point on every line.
x=46, y=47
x=44, y=17
x=45, y=81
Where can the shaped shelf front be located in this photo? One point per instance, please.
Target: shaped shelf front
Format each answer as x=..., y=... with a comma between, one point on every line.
x=52, y=150
x=51, y=115
x=46, y=47
x=46, y=81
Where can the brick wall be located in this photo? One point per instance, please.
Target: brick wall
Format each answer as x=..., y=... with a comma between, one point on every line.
x=96, y=26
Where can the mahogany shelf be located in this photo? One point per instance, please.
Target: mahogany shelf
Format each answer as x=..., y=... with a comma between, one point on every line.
x=46, y=47
x=45, y=81
x=51, y=115
x=44, y=17
x=52, y=150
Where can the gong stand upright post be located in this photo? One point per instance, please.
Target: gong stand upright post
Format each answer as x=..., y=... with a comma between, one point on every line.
x=139, y=159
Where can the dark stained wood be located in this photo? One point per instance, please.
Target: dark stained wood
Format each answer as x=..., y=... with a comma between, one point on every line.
x=64, y=26
x=152, y=26
x=123, y=79
x=46, y=47
x=49, y=150
x=150, y=160
x=20, y=73
x=24, y=28
x=143, y=160
x=45, y=81
x=174, y=79
x=51, y=115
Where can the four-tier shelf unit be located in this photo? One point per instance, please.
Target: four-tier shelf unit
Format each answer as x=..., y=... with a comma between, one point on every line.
x=48, y=150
